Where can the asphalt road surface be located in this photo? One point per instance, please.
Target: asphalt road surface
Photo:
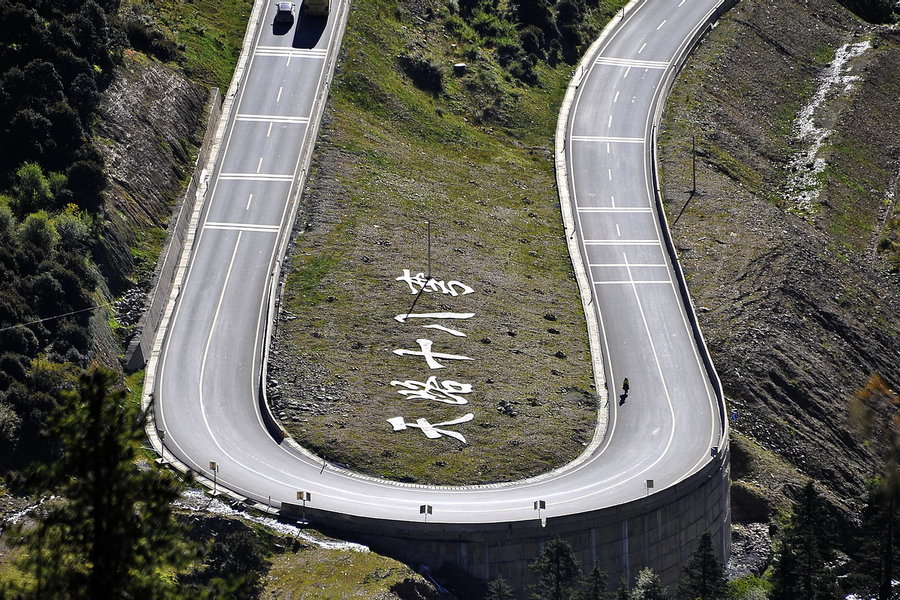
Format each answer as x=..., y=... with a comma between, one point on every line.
x=206, y=383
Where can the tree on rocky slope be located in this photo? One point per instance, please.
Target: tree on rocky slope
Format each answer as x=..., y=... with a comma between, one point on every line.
x=595, y=585
x=704, y=576
x=647, y=586
x=498, y=589
x=876, y=410
x=557, y=570
x=803, y=570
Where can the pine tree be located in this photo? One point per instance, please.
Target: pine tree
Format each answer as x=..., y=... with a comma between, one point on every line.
x=648, y=586
x=498, y=589
x=802, y=570
x=595, y=585
x=703, y=576
x=557, y=570
x=875, y=409
x=112, y=533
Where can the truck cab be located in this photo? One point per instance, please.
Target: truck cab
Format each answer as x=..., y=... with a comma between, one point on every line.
x=317, y=8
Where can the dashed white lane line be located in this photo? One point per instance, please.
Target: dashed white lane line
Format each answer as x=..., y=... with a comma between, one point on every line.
x=618, y=231
x=661, y=24
x=644, y=45
x=249, y=200
x=242, y=227
x=632, y=62
x=616, y=98
x=609, y=122
x=259, y=164
x=269, y=130
x=278, y=97
x=609, y=174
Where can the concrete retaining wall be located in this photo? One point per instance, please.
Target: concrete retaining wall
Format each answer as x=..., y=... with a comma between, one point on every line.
x=164, y=276
x=659, y=531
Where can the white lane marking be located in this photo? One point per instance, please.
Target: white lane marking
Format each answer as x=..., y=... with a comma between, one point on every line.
x=609, y=122
x=271, y=118
x=632, y=62
x=607, y=147
x=242, y=227
x=634, y=282
x=661, y=24
x=609, y=174
x=256, y=177
x=622, y=242
x=613, y=200
x=627, y=71
x=624, y=209
x=607, y=139
x=680, y=3
x=278, y=97
x=281, y=51
x=616, y=98
x=249, y=200
x=632, y=265
x=209, y=337
x=259, y=165
x=632, y=99
x=269, y=130
x=644, y=45
x=288, y=63
x=618, y=232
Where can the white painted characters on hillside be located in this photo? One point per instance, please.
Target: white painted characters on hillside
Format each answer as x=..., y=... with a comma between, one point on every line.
x=432, y=431
x=420, y=283
x=446, y=391
x=430, y=357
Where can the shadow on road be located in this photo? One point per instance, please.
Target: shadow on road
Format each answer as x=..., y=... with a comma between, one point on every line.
x=309, y=31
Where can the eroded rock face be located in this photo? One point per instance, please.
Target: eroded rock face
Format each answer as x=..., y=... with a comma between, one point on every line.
x=149, y=125
x=802, y=306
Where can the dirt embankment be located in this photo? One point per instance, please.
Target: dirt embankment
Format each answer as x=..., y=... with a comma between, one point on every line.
x=798, y=300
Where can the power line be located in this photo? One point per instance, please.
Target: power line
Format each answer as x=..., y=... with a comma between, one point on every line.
x=74, y=312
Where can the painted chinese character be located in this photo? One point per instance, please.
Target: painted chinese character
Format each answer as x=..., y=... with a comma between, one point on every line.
x=432, y=431
x=445, y=315
x=430, y=356
x=447, y=391
x=419, y=283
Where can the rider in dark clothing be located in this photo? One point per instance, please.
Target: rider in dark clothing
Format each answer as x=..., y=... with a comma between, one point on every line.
x=625, y=385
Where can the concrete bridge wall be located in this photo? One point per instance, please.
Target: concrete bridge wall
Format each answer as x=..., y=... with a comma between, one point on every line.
x=659, y=531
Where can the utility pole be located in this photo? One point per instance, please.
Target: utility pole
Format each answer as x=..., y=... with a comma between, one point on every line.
x=694, y=164
x=428, y=228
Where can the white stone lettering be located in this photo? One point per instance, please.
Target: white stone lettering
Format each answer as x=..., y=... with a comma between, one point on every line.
x=447, y=315
x=419, y=283
x=447, y=391
x=432, y=431
x=430, y=356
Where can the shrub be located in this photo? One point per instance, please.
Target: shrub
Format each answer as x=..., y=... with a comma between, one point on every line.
x=425, y=74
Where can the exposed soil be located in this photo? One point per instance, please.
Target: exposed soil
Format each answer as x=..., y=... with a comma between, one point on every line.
x=150, y=123
x=799, y=307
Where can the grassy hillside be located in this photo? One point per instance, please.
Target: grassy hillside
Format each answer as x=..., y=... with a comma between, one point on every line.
x=408, y=139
